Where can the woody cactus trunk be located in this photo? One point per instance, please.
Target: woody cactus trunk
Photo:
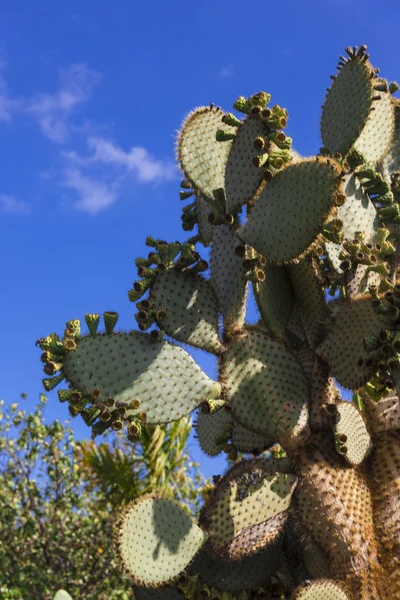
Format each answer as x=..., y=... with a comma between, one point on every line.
x=317, y=239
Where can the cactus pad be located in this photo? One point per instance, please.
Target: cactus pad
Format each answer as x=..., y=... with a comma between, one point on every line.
x=190, y=305
x=382, y=415
x=248, y=441
x=62, y=595
x=334, y=504
x=357, y=214
x=354, y=111
x=228, y=276
x=250, y=573
x=290, y=212
x=201, y=156
x=155, y=540
x=248, y=509
x=203, y=211
x=161, y=593
x=163, y=377
x=213, y=430
x=326, y=589
x=266, y=387
x=242, y=177
x=343, y=348
x=352, y=439
x=309, y=293
x=274, y=297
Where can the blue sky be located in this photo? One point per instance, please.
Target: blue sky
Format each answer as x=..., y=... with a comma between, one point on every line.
x=91, y=97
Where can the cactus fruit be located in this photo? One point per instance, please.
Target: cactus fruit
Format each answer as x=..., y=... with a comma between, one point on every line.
x=312, y=509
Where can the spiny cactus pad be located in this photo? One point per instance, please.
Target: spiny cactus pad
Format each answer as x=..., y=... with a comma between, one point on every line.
x=323, y=589
x=201, y=156
x=62, y=595
x=308, y=290
x=248, y=509
x=133, y=366
x=358, y=214
x=343, y=348
x=334, y=505
x=190, y=307
x=289, y=214
x=213, y=430
x=228, y=275
x=354, y=111
x=155, y=540
x=383, y=414
x=249, y=441
x=203, y=211
x=384, y=472
x=274, y=297
x=266, y=387
x=160, y=593
x=242, y=177
x=250, y=573
x=352, y=439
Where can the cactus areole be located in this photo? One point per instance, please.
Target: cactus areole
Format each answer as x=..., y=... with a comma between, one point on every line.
x=310, y=507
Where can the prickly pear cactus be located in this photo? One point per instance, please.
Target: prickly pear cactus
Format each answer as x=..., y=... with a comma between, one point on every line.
x=310, y=508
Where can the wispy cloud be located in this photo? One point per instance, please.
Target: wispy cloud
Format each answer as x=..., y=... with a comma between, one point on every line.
x=226, y=72
x=9, y=204
x=94, y=195
x=136, y=161
x=6, y=103
x=53, y=111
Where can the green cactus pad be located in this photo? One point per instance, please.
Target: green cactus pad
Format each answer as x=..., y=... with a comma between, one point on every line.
x=210, y=428
x=242, y=178
x=190, y=304
x=306, y=358
x=161, y=593
x=266, y=387
x=291, y=210
x=62, y=595
x=343, y=348
x=201, y=156
x=354, y=111
x=310, y=298
x=322, y=589
x=369, y=145
x=250, y=573
x=357, y=214
x=295, y=328
x=134, y=366
x=391, y=161
x=247, y=510
x=249, y=441
x=274, y=297
x=228, y=276
x=383, y=415
x=352, y=439
x=323, y=392
x=203, y=211
x=155, y=540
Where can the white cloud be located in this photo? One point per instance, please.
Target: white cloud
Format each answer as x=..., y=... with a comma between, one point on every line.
x=9, y=204
x=52, y=111
x=226, y=71
x=93, y=195
x=6, y=104
x=137, y=161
